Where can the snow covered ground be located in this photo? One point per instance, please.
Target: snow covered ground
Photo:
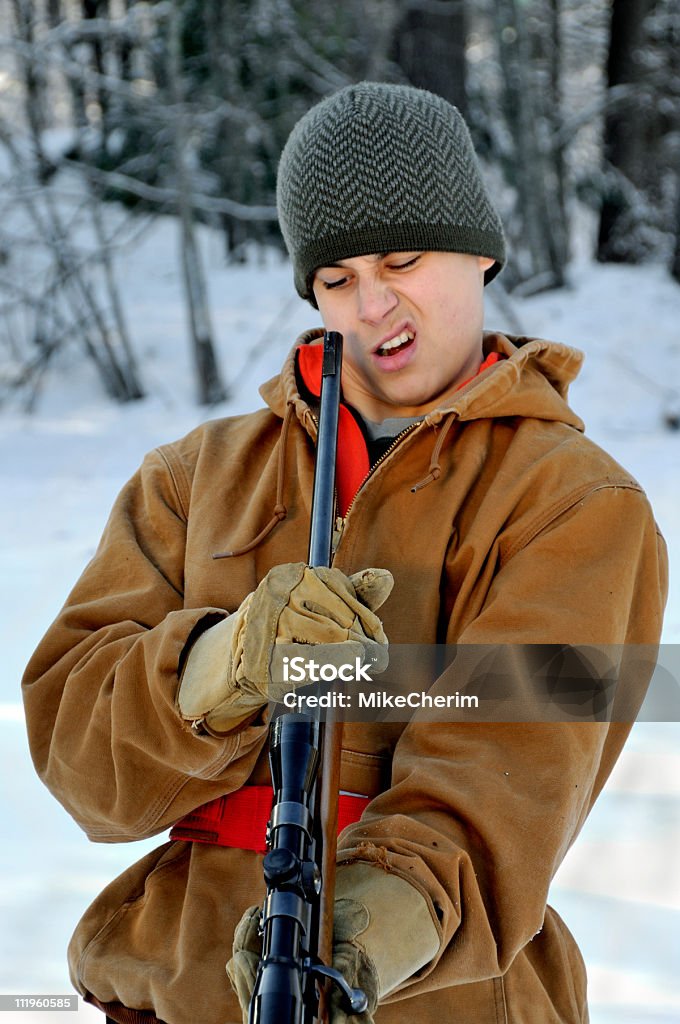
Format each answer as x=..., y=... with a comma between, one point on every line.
x=60, y=469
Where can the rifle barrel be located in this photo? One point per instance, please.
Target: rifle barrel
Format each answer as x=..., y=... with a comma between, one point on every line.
x=323, y=495
x=305, y=764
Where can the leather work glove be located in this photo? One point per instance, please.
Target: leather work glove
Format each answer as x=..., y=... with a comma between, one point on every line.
x=236, y=666
x=383, y=932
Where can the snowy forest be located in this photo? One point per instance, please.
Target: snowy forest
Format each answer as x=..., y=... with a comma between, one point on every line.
x=180, y=108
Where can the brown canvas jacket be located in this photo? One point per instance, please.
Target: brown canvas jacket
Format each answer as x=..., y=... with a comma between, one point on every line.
x=501, y=524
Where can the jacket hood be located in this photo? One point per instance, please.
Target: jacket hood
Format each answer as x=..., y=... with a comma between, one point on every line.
x=531, y=380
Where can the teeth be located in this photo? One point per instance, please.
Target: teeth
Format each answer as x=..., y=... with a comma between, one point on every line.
x=401, y=339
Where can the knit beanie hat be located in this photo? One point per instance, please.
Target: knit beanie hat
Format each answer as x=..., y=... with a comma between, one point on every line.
x=382, y=168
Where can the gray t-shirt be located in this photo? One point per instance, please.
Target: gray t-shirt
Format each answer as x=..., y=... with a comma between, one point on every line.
x=381, y=435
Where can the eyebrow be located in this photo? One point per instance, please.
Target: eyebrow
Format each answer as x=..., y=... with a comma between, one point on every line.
x=377, y=256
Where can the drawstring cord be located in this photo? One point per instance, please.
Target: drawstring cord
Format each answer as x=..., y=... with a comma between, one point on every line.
x=435, y=469
x=280, y=511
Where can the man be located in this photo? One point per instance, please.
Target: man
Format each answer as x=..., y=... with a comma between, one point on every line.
x=463, y=476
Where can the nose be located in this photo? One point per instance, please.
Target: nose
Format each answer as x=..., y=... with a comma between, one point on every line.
x=376, y=300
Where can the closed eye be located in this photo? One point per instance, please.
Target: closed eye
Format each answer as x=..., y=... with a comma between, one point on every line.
x=410, y=262
x=328, y=285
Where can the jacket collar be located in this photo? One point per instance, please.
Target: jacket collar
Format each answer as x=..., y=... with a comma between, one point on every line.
x=531, y=381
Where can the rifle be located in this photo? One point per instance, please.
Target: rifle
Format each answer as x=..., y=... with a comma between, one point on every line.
x=293, y=975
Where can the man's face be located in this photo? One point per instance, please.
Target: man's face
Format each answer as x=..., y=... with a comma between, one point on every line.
x=412, y=324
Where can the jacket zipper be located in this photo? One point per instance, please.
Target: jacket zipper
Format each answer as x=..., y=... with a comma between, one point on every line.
x=341, y=521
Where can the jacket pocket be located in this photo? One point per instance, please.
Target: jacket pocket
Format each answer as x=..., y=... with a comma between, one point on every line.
x=367, y=774
x=91, y=946
x=159, y=936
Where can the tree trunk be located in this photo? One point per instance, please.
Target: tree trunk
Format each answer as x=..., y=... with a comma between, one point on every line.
x=210, y=386
x=95, y=9
x=529, y=57
x=559, y=235
x=430, y=50
x=625, y=152
x=675, y=263
x=35, y=87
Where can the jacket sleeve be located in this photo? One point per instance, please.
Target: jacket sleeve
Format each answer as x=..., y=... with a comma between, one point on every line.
x=100, y=690
x=480, y=814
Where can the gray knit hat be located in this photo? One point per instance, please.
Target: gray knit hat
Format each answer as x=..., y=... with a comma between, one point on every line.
x=382, y=168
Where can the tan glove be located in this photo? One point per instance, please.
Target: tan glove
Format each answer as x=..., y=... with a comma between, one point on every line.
x=383, y=932
x=237, y=666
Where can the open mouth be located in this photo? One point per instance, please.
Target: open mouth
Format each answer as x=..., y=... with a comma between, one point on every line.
x=395, y=345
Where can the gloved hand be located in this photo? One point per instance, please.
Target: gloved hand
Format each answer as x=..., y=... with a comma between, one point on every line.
x=383, y=932
x=236, y=666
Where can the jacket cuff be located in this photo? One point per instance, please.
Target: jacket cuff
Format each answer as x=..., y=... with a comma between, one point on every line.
x=205, y=682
